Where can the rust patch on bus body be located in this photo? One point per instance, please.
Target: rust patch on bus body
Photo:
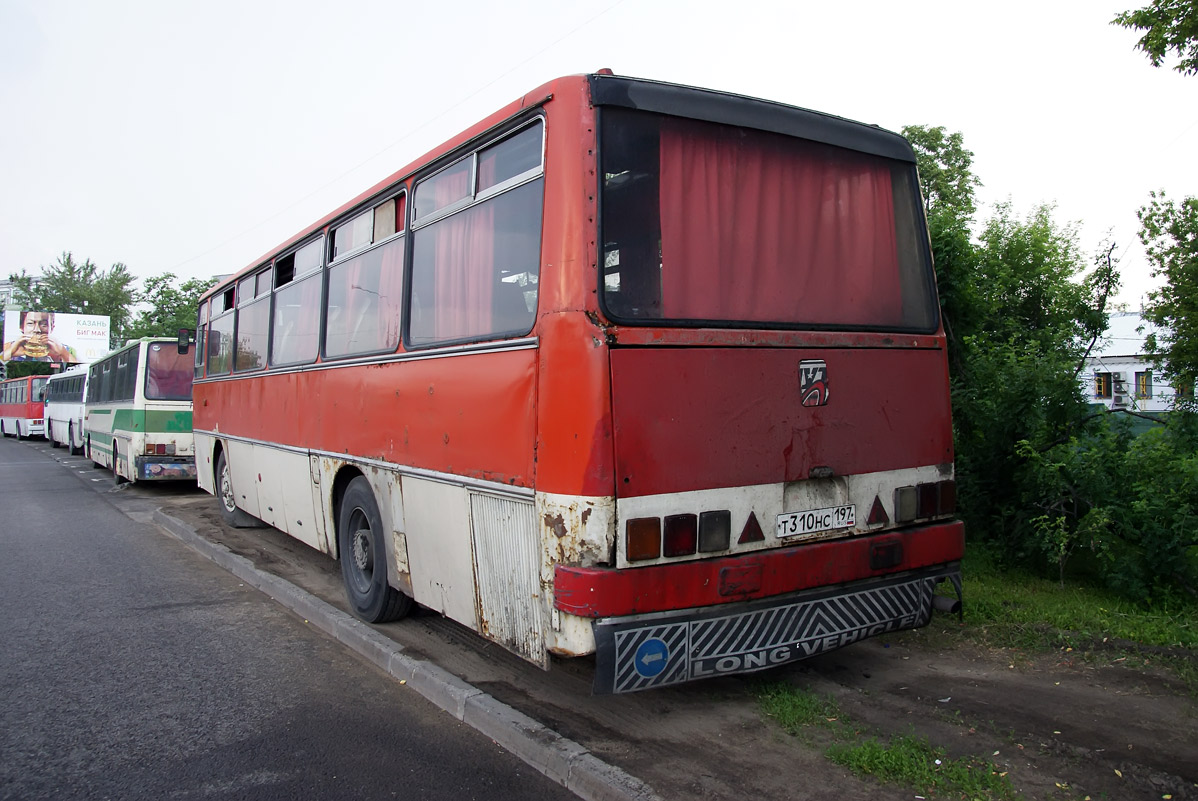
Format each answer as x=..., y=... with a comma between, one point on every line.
x=556, y=524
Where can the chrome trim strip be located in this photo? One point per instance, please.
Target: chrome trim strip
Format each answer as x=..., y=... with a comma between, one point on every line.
x=481, y=485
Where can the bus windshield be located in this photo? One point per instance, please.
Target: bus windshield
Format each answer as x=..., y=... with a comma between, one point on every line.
x=721, y=226
x=168, y=372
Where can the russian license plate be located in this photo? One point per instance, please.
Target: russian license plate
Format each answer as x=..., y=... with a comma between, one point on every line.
x=813, y=521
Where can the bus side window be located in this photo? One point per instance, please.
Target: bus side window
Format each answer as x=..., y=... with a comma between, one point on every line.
x=510, y=309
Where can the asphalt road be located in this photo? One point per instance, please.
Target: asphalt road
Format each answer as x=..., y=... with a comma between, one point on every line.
x=132, y=667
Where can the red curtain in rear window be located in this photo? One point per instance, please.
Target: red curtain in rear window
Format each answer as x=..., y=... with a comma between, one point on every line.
x=758, y=227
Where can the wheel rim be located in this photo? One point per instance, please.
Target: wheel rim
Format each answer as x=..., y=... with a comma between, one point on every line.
x=361, y=556
x=226, y=488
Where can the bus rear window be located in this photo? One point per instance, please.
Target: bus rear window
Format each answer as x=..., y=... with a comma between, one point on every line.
x=168, y=373
x=713, y=225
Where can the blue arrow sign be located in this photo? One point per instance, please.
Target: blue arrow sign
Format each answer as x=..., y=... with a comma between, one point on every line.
x=651, y=657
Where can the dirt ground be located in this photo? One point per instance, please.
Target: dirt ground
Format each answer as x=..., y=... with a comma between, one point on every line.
x=1062, y=726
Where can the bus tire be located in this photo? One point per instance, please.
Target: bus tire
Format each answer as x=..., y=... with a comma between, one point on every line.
x=72, y=449
x=227, y=499
x=50, y=436
x=19, y=437
x=363, y=556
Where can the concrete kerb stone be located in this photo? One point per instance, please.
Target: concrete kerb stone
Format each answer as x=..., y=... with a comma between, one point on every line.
x=442, y=688
x=529, y=739
x=559, y=758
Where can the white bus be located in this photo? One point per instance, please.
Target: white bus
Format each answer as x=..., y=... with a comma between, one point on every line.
x=137, y=416
x=64, y=408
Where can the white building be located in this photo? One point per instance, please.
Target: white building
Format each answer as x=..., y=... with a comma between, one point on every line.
x=1118, y=373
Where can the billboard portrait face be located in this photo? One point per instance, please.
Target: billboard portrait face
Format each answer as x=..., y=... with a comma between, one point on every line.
x=45, y=336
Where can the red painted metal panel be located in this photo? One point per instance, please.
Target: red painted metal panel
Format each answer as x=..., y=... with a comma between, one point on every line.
x=702, y=418
x=470, y=414
x=606, y=592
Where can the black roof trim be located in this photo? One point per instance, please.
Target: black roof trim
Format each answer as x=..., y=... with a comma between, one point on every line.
x=748, y=112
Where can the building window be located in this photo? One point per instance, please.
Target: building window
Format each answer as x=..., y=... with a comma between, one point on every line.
x=1184, y=390
x=1144, y=384
x=1102, y=385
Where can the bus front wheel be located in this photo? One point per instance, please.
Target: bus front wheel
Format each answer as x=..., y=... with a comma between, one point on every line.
x=50, y=436
x=233, y=517
x=363, y=556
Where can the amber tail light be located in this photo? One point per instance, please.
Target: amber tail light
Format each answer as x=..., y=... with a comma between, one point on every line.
x=644, y=539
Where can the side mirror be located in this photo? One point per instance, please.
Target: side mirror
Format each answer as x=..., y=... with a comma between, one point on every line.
x=184, y=340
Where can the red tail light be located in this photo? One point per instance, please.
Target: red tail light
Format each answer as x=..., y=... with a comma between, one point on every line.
x=681, y=536
x=948, y=497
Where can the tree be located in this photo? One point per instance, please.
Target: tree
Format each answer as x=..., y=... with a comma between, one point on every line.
x=170, y=308
x=1169, y=231
x=948, y=184
x=945, y=170
x=71, y=287
x=1168, y=25
x=1032, y=319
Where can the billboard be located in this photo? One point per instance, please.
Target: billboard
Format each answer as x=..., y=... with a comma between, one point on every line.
x=39, y=336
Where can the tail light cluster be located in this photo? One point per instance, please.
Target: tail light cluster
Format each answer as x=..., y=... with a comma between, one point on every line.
x=160, y=449
x=681, y=535
x=933, y=499
x=711, y=532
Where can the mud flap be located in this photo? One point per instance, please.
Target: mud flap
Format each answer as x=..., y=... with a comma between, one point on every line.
x=655, y=650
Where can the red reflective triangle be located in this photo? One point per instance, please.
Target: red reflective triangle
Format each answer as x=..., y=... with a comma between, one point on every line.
x=752, y=532
x=877, y=515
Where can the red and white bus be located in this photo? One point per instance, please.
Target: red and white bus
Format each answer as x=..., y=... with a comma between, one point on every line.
x=627, y=368
x=22, y=406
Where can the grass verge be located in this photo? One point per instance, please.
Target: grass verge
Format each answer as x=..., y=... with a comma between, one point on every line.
x=1016, y=609
x=1013, y=608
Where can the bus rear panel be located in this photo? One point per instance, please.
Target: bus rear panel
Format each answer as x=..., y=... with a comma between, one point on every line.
x=783, y=462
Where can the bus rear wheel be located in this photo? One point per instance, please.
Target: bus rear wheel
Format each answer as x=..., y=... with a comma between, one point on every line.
x=117, y=478
x=363, y=555
x=233, y=516
x=72, y=448
x=19, y=435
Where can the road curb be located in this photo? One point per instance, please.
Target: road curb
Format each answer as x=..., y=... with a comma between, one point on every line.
x=562, y=760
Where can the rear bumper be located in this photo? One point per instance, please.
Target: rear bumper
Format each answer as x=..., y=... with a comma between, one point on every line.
x=166, y=468
x=607, y=592
x=640, y=652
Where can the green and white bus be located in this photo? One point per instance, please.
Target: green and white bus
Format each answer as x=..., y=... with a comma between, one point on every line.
x=138, y=412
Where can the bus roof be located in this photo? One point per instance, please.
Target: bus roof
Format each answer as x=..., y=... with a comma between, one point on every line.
x=638, y=93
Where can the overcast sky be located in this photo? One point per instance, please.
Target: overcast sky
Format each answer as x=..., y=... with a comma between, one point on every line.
x=192, y=137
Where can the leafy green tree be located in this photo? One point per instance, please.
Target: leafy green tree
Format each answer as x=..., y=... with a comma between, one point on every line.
x=169, y=307
x=948, y=186
x=22, y=369
x=1168, y=25
x=1169, y=231
x=945, y=170
x=72, y=287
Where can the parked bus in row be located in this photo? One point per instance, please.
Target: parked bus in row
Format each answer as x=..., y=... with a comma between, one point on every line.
x=65, y=392
x=22, y=404
x=630, y=369
x=137, y=412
